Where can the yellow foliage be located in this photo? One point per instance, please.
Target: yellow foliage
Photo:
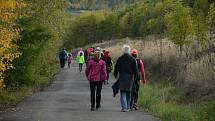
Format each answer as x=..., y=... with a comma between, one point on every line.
x=8, y=50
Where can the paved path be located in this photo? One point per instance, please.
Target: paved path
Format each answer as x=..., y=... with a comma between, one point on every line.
x=67, y=99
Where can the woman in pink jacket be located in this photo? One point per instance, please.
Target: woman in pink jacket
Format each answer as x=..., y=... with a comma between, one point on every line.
x=96, y=74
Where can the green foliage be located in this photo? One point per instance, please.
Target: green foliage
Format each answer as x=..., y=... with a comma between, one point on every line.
x=211, y=19
x=109, y=27
x=43, y=30
x=173, y=18
x=83, y=30
x=156, y=23
x=211, y=16
x=180, y=24
x=92, y=27
x=200, y=27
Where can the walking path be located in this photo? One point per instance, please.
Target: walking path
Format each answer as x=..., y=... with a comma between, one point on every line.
x=67, y=99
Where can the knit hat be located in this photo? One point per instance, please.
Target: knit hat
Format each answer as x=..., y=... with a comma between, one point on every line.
x=134, y=51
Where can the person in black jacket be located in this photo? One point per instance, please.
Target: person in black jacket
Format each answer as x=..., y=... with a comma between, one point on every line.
x=126, y=68
x=63, y=57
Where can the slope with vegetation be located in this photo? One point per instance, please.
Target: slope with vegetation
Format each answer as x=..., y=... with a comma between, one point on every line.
x=175, y=39
x=180, y=68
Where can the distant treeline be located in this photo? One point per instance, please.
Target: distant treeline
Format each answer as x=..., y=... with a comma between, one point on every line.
x=179, y=20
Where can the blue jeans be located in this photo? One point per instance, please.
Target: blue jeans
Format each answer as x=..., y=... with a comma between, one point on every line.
x=125, y=99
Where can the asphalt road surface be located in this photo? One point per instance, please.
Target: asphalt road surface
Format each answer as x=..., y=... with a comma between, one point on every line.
x=68, y=99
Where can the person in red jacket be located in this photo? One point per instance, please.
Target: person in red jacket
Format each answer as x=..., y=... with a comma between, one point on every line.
x=109, y=63
x=96, y=74
x=137, y=80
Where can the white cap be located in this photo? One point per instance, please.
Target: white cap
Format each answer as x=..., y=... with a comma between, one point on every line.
x=126, y=49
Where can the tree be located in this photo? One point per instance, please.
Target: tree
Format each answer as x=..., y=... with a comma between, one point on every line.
x=8, y=34
x=125, y=25
x=109, y=28
x=179, y=24
x=42, y=34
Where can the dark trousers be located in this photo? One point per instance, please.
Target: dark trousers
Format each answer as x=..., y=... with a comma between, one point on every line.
x=69, y=65
x=62, y=63
x=80, y=66
x=134, y=95
x=95, y=90
x=108, y=75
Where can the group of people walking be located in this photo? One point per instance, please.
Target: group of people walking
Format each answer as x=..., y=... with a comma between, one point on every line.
x=128, y=72
x=64, y=57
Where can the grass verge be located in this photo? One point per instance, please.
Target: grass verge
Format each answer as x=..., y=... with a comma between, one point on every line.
x=165, y=102
x=10, y=97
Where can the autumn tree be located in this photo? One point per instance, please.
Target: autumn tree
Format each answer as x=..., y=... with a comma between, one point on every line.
x=8, y=35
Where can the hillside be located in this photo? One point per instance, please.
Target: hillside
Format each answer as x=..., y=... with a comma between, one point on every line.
x=180, y=84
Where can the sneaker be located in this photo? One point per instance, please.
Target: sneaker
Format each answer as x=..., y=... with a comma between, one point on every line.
x=98, y=107
x=124, y=110
x=136, y=107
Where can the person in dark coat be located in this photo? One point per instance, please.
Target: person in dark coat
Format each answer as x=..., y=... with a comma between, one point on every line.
x=126, y=68
x=63, y=57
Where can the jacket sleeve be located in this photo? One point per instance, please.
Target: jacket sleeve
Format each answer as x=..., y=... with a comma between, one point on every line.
x=104, y=70
x=87, y=72
x=116, y=69
x=142, y=70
